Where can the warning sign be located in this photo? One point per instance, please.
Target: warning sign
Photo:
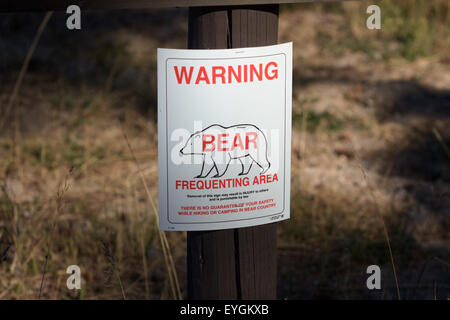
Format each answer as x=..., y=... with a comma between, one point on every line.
x=224, y=137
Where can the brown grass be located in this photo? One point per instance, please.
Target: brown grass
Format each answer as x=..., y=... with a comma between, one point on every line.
x=355, y=109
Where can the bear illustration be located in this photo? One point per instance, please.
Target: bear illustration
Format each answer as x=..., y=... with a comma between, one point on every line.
x=219, y=145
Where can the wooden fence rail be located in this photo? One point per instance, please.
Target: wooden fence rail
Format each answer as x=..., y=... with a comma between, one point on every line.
x=43, y=5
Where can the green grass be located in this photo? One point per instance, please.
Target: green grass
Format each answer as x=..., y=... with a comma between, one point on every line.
x=40, y=153
x=410, y=29
x=419, y=27
x=321, y=224
x=315, y=121
x=413, y=24
x=74, y=153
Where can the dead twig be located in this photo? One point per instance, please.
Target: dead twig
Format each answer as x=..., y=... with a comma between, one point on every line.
x=441, y=142
x=380, y=215
x=62, y=189
x=173, y=277
x=114, y=267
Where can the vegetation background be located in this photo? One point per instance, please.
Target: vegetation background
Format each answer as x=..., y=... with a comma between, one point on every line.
x=371, y=139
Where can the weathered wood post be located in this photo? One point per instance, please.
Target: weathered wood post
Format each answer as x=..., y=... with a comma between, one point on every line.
x=234, y=263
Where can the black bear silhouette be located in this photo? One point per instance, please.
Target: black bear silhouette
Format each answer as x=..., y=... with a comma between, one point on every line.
x=219, y=145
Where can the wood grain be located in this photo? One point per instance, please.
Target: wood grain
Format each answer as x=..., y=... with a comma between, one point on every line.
x=236, y=263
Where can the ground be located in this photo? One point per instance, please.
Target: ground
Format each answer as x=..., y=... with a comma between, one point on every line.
x=370, y=148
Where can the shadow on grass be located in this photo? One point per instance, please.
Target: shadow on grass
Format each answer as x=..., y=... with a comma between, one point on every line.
x=95, y=53
x=330, y=261
x=324, y=255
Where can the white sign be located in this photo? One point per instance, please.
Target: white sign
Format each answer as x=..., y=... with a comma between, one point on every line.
x=224, y=137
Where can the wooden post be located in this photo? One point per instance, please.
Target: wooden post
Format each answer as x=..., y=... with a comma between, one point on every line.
x=236, y=263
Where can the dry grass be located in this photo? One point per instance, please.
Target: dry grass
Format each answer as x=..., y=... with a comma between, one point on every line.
x=93, y=110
